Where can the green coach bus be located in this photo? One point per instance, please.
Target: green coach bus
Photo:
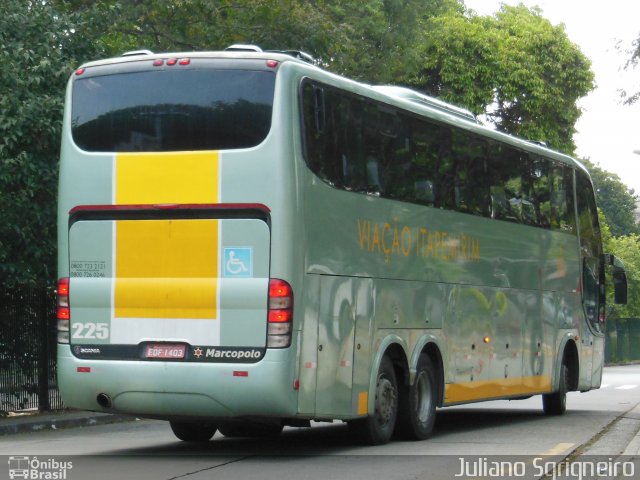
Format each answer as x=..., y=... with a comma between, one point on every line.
x=247, y=241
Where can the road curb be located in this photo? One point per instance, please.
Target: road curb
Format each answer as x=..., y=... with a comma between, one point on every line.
x=633, y=448
x=37, y=423
x=618, y=438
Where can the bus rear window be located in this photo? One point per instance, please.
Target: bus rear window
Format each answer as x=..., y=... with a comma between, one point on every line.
x=159, y=111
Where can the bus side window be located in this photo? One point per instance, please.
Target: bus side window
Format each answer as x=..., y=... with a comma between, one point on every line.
x=319, y=108
x=561, y=194
x=505, y=183
x=590, y=250
x=328, y=135
x=471, y=183
x=346, y=119
x=500, y=209
x=401, y=169
x=316, y=142
x=529, y=197
x=541, y=190
x=419, y=181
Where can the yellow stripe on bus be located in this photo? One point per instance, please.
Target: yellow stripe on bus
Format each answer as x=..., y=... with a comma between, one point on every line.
x=166, y=268
x=497, y=388
x=156, y=178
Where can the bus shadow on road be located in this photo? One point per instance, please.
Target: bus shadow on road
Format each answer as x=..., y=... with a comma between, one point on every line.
x=454, y=420
x=337, y=439
x=321, y=439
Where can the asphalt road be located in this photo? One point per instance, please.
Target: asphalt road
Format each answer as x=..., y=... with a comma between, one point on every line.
x=510, y=431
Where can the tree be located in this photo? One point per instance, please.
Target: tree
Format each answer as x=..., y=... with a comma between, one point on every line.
x=516, y=68
x=617, y=201
x=382, y=37
x=627, y=248
x=634, y=59
x=40, y=44
x=368, y=41
x=167, y=25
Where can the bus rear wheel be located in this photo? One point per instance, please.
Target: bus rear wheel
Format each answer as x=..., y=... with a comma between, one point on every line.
x=556, y=403
x=377, y=428
x=193, y=432
x=417, y=408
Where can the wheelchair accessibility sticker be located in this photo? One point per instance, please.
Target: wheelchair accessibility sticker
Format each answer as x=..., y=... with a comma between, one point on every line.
x=238, y=262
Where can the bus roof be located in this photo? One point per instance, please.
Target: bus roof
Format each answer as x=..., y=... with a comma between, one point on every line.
x=137, y=55
x=401, y=97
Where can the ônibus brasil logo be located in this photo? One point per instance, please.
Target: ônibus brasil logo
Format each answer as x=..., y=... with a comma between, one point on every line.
x=35, y=469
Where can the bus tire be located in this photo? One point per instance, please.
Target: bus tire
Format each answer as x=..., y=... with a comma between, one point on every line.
x=377, y=428
x=556, y=403
x=193, y=432
x=245, y=429
x=417, y=407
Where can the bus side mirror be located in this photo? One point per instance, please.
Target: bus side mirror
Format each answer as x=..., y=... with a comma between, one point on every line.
x=619, y=278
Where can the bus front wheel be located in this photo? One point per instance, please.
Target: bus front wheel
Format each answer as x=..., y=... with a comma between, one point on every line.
x=556, y=403
x=193, y=432
x=378, y=427
x=417, y=412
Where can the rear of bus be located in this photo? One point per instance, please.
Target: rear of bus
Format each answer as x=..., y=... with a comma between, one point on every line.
x=175, y=294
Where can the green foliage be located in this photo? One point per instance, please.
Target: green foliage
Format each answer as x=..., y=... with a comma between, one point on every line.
x=627, y=248
x=169, y=25
x=379, y=39
x=516, y=68
x=617, y=201
x=40, y=43
x=370, y=41
x=634, y=59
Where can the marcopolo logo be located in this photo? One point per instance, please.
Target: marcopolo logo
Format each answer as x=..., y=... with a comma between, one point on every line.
x=37, y=469
x=233, y=354
x=228, y=354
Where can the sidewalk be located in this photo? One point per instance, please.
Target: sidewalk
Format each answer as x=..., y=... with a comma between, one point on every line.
x=22, y=423
x=633, y=448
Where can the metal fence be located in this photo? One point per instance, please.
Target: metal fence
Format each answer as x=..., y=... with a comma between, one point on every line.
x=28, y=349
x=623, y=340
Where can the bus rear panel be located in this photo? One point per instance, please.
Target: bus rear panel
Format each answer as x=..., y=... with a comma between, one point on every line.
x=167, y=303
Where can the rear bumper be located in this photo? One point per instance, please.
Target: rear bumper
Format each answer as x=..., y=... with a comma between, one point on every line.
x=175, y=389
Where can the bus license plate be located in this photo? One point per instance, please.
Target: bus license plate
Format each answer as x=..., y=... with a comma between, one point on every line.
x=165, y=350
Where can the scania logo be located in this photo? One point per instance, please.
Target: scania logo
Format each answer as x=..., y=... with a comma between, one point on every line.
x=86, y=350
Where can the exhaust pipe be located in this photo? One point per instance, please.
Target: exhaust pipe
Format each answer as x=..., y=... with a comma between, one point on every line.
x=104, y=400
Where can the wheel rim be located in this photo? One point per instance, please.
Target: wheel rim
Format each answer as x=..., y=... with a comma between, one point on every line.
x=423, y=397
x=386, y=399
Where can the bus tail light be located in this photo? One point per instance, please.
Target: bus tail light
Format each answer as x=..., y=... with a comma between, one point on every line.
x=63, y=313
x=280, y=314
